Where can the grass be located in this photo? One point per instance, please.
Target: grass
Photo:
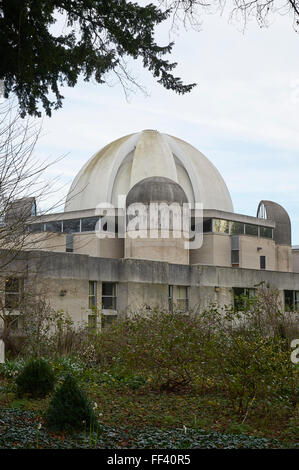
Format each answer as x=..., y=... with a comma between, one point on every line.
x=141, y=418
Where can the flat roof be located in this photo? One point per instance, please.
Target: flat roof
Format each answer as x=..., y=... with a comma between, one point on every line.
x=207, y=213
x=247, y=219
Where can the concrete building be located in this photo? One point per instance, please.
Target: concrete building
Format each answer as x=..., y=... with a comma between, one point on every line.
x=93, y=255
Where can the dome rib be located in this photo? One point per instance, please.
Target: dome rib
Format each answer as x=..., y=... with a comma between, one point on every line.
x=151, y=154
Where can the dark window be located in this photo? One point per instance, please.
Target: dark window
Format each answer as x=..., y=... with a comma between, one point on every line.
x=263, y=262
x=170, y=298
x=235, y=253
x=251, y=230
x=71, y=226
x=13, y=322
x=241, y=297
x=291, y=300
x=236, y=228
x=207, y=225
x=13, y=290
x=109, y=295
x=235, y=257
x=69, y=247
x=36, y=228
x=266, y=232
x=89, y=224
x=55, y=226
x=92, y=295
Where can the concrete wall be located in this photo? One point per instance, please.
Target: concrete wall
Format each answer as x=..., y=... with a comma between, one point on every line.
x=170, y=250
x=46, y=241
x=216, y=250
x=140, y=282
x=141, y=295
x=87, y=243
x=69, y=296
x=295, y=261
x=251, y=248
x=284, y=260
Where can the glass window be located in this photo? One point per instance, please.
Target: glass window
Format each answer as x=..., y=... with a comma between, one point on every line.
x=236, y=228
x=92, y=296
x=266, y=232
x=182, y=299
x=288, y=299
x=207, y=225
x=36, y=228
x=69, y=243
x=89, y=224
x=13, y=288
x=291, y=300
x=33, y=209
x=262, y=212
x=235, y=257
x=251, y=230
x=13, y=322
x=170, y=298
x=263, y=262
x=241, y=297
x=221, y=226
x=109, y=295
x=71, y=226
x=178, y=298
x=55, y=226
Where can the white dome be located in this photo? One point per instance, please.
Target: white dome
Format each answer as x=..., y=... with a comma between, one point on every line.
x=115, y=169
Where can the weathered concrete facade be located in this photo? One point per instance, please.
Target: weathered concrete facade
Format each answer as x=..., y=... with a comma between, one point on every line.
x=139, y=282
x=295, y=254
x=87, y=259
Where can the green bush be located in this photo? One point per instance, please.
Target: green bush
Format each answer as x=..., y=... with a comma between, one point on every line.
x=11, y=369
x=167, y=349
x=240, y=354
x=70, y=408
x=36, y=379
x=253, y=368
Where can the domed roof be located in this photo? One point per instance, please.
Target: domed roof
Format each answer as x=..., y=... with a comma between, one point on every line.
x=273, y=211
x=156, y=189
x=115, y=169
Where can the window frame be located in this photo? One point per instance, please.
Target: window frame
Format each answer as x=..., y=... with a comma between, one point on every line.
x=113, y=296
x=294, y=306
x=239, y=299
x=13, y=293
x=176, y=301
x=263, y=262
x=92, y=295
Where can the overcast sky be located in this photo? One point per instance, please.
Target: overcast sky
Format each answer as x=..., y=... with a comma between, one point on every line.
x=243, y=115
